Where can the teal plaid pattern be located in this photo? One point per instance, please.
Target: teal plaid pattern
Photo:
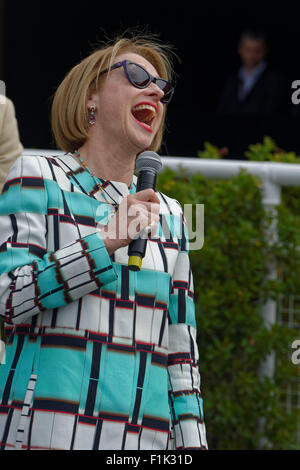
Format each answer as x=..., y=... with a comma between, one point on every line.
x=98, y=356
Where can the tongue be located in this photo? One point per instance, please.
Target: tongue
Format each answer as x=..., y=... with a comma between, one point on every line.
x=143, y=115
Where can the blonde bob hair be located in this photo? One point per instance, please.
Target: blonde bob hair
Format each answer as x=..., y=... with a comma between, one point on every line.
x=69, y=113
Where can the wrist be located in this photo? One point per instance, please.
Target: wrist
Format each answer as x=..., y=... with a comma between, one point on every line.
x=111, y=244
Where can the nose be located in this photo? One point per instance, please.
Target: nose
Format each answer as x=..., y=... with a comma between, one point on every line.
x=154, y=91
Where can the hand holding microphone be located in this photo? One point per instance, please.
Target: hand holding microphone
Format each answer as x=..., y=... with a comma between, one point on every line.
x=138, y=213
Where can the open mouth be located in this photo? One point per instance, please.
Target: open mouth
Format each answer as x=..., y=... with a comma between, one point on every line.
x=144, y=114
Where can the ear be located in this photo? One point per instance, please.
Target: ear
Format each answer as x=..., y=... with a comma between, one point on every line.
x=92, y=102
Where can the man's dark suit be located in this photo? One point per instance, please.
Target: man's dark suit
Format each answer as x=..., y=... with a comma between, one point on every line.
x=268, y=96
x=247, y=122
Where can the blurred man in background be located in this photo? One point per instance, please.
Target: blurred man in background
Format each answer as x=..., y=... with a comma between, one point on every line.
x=255, y=91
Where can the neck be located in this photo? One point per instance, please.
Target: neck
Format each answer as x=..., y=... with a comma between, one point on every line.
x=109, y=163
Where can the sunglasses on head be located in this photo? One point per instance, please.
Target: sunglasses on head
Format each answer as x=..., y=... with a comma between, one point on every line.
x=140, y=78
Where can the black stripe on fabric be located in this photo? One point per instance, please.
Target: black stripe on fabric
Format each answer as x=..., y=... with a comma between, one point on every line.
x=144, y=300
x=33, y=182
x=152, y=423
x=181, y=306
x=106, y=294
x=62, y=341
x=97, y=434
x=79, y=307
x=97, y=337
x=190, y=294
x=32, y=336
x=137, y=404
x=114, y=187
x=54, y=317
x=52, y=211
x=55, y=405
x=159, y=359
x=113, y=417
x=104, y=183
x=88, y=420
x=10, y=183
x=132, y=428
x=93, y=383
x=124, y=437
x=172, y=245
x=142, y=369
x=120, y=348
x=56, y=232
x=143, y=347
x=111, y=317
x=161, y=305
x=183, y=239
x=162, y=327
x=22, y=329
x=134, y=325
x=181, y=393
x=180, y=284
x=192, y=349
x=17, y=404
x=6, y=428
x=71, y=175
x=190, y=276
x=66, y=219
x=3, y=247
x=139, y=387
x=66, y=207
x=163, y=256
x=124, y=282
x=74, y=433
x=85, y=220
x=178, y=357
x=100, y=271
x=78, y=170
x=30, y=430
x=37, y=250
x=6, y=391
x=51, y=161
x=166, y=230
x=4, y=409
x=14, y=227
x=187, y=416
x=67, y=298
x=125, y=304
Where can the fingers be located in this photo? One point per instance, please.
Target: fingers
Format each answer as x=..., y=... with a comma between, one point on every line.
x=147, y=195
x=135, y=214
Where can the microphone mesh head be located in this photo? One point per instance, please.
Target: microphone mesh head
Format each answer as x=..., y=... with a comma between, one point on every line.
x=148, y=160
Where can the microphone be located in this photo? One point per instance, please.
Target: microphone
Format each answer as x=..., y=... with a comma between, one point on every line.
x=148, y=164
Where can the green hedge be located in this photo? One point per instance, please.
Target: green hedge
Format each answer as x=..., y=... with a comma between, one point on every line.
x=230, y=286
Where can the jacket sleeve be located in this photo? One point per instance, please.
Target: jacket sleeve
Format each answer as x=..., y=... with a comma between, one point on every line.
x=33, y=279
x=10, y=145
x=185, y=399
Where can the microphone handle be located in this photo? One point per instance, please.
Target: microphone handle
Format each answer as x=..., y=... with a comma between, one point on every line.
x=146, y=180
x=137, y=248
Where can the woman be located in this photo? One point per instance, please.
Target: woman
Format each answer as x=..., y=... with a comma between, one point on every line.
x=98, y=356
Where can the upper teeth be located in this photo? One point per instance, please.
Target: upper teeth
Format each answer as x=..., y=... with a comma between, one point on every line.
x=144, y=106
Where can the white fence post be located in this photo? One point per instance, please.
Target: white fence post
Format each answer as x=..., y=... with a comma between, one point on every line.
x=271, y=197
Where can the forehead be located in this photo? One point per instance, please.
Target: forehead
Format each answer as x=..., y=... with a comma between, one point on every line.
x=138, y=59
x=253, y=43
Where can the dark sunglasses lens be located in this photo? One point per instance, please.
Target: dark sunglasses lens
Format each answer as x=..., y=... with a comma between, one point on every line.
x=137, y=75
x=167, y=88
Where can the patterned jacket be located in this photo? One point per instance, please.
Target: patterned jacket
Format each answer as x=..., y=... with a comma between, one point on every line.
x=97, y=356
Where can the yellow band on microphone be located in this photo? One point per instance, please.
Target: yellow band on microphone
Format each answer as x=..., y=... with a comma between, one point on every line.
x=135, y=263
